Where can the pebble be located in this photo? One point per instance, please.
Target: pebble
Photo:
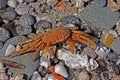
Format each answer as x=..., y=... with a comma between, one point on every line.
x=24, y=59
x=10, y=48
x=42, y=26
x=79, y=3
x=115, y=46
x=23, y=30
x=9, y=15
x=118, y=27
x=84, y=76
x=27, y=19
x=23, y=9
x=99, y=17
x=29, y=1
x=113, y=56
x=12, y=3
x=113, y=32
x=107, y=38
x=101, y=3
x=3, y=4
x=4, y=34
x=71, y=20
x=20, y=1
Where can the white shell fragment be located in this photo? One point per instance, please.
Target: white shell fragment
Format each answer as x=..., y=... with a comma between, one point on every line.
x=10, y=49
x=92, y=65
x=44, y=62
x=60, y=69
x=36, y=76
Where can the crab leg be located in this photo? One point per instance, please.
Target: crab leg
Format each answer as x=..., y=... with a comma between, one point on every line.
x=83, y=39
x=37, y=51
x=81, y=33
x=30, y=40
x=71, y=44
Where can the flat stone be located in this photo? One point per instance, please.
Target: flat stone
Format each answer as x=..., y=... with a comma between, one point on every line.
x=99, y=17
x=24, y=59
x=116, y=45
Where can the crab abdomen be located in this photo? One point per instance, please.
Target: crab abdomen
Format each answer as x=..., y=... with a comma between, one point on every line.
x=56, y=35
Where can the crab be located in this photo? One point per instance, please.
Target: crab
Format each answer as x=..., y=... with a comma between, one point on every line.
x=53, y=37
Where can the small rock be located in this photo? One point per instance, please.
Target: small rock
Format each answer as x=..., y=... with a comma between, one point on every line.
x=113, y=56
x=113, y=32
x=23, y=30
x=9, y=15
x=27, y=19
x=116, y=77
x=10, y=48
x=84, y=76
x=4, y=34
x=107, y=38
x=23, y=9
x=42, y=1
x=115, y=46
x=115, y=68
x=12, y=3
x=79, y=3
x=3, y=4
x=36, y=76
x=118, y=27
x=71, y=20
x=113, y=5
x=100, y=3
x=20, y=1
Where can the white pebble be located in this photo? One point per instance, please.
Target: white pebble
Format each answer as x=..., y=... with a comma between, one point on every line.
x=12, y=3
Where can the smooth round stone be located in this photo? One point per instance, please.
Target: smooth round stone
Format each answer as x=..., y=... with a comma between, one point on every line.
x=113, y=57
x=24, y=59
x=3, y=4
x=12, y=3
x=9, y=15
x=20, y=1
x=28, y=1
x=23, y=30
x=27, y=19
x=71, y=20
x=101, y=3
x=4, y=34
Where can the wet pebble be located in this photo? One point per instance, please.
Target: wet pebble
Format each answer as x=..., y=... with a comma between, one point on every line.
x=4, y=34
x=23, y=30
x=113, y=56
x=101, y=3
x=9, y=15
x=71, y=20
x=12, y=3
x=27, y=19
x=3, y=4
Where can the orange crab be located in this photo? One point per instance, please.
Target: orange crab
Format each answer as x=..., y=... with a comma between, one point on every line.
x=52, y=37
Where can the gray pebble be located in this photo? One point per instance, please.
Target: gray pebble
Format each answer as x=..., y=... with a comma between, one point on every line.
x=101, y=3
x=115, y=46
x=4, y=34
x=27, y=19
x=42, y=1
x=71, y=20
x=9, y=15
x=28, y=1
x=3, y=4
x=113, y=56
x=23, y=30
x=12, y=3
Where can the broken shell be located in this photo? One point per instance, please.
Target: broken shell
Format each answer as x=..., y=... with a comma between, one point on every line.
x=36, y=76
x=60, y=69
x=92, y=65
x=10, y=49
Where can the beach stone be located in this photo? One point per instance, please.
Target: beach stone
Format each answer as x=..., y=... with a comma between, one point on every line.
x=27, y=19
x=3, y=4
x=23, y=30
x=115, y=46
x=24, y=59
x=113, y=56
x=20, y=1
x=9, y=15
x=99, y=17
x=28, y=1
x=100, y=3
x=12, y=3
x=1, y=44
x=4, y=34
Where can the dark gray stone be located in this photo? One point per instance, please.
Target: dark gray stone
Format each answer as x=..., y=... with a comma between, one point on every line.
x=24, y=59
x=115, y=46
x=28, y=1
x=99, y=17
x=3, y=4
x=101, y=3
x=27, y=19
x=113, y=56
x=9, y=15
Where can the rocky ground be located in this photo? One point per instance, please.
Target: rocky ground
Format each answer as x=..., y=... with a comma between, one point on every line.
x=23, y=19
